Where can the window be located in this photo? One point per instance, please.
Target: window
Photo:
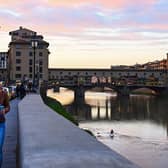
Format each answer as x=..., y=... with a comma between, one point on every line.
x=30, y=69
x=18, y=61
x=15, y=34
x=30, y=61
x=40, y=62
x=30, y=75
x=41, y=69
x=18, y=75
x=30, y=54
x=40, y=46
x=18, y=46
x=18, y=68
x=40, y=54
x=41, y=76
x=24, y=34
x=18, y=53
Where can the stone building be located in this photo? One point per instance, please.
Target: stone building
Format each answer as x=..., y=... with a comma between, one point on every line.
x=28, y=56
x=3, y=66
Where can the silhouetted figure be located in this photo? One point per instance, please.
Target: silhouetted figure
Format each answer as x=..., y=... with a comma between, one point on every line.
x=29, y=87
x=17, y=90
x=112, y=133
x=22, y=91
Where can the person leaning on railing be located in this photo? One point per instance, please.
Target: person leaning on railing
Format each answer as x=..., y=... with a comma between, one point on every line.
x=4, y=108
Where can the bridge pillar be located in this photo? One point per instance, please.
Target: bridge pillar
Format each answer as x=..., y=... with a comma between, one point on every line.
x=79, y=93
x=56, y=88
x=123, y=91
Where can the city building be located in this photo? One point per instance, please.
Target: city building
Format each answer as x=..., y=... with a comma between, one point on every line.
x=28, y=56
x=3, y=66
x=27, y=59
x=154, y=65
x=3, y=60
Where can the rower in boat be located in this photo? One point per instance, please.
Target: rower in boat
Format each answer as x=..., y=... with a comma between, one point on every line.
x=111, y=133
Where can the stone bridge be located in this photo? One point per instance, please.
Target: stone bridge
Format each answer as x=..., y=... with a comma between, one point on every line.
x=123, y=81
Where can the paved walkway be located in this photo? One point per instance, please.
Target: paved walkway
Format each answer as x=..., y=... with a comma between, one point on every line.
x=54, y=142
x=9, y=157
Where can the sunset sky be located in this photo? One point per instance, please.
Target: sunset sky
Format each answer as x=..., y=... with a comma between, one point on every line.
x=91, y=33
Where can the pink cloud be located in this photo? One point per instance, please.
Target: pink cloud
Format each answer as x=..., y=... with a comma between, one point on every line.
x=68, y=22
x=106, y=3
x=9, y=3
x=76, y=3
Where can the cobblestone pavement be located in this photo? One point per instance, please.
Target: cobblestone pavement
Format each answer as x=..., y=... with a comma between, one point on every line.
x=9, y=148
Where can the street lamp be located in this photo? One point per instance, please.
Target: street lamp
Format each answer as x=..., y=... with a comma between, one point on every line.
x=34, y=45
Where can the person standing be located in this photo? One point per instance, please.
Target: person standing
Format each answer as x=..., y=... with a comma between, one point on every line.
x=17, y=90
x=4, y=108
x=22, y=91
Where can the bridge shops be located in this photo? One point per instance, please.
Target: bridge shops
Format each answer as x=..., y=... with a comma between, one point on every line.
x=121, y=80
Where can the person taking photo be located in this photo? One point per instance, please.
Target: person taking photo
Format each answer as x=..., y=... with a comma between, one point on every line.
x=4, y=108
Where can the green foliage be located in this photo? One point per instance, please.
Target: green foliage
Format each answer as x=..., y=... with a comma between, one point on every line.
x=57, y=107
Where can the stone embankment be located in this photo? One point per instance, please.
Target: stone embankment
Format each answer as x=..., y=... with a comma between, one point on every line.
x=47, y=140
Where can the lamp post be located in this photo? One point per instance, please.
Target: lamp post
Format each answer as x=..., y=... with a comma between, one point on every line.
x=34, y=45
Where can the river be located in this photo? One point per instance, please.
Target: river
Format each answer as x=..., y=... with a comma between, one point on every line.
x=140, y=123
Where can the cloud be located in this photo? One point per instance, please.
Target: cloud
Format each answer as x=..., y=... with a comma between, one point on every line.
x=105, y=3
x=68, y=16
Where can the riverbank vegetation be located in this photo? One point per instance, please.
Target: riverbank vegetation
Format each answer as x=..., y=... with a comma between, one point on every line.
x=56, y=106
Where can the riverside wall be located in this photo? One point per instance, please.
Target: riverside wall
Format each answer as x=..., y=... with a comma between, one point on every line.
x=47, y=140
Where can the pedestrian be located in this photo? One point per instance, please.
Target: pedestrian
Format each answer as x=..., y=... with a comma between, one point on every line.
x=29, y=86
x=4, y=108
x=17, y=90
x=22, y=91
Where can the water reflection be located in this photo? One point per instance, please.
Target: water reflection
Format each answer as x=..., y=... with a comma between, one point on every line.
x=111, y=107
x=137, y=112
x=140, y=123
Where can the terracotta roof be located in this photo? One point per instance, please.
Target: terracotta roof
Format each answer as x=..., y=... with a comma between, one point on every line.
x=21, y=28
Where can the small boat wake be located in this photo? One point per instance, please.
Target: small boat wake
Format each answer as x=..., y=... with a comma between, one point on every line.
x=116, y=135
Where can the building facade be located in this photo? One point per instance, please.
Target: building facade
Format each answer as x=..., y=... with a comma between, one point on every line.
x=3, y=60
x=27, y=61
x=154, y=65
x=3, y=66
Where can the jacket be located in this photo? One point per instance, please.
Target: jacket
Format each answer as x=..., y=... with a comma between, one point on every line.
x=4, y=100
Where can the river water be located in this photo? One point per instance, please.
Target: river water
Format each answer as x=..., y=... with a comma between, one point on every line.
x=140, y=123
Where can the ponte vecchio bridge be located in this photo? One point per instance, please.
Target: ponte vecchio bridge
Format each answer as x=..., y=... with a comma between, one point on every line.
x=123, y=81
